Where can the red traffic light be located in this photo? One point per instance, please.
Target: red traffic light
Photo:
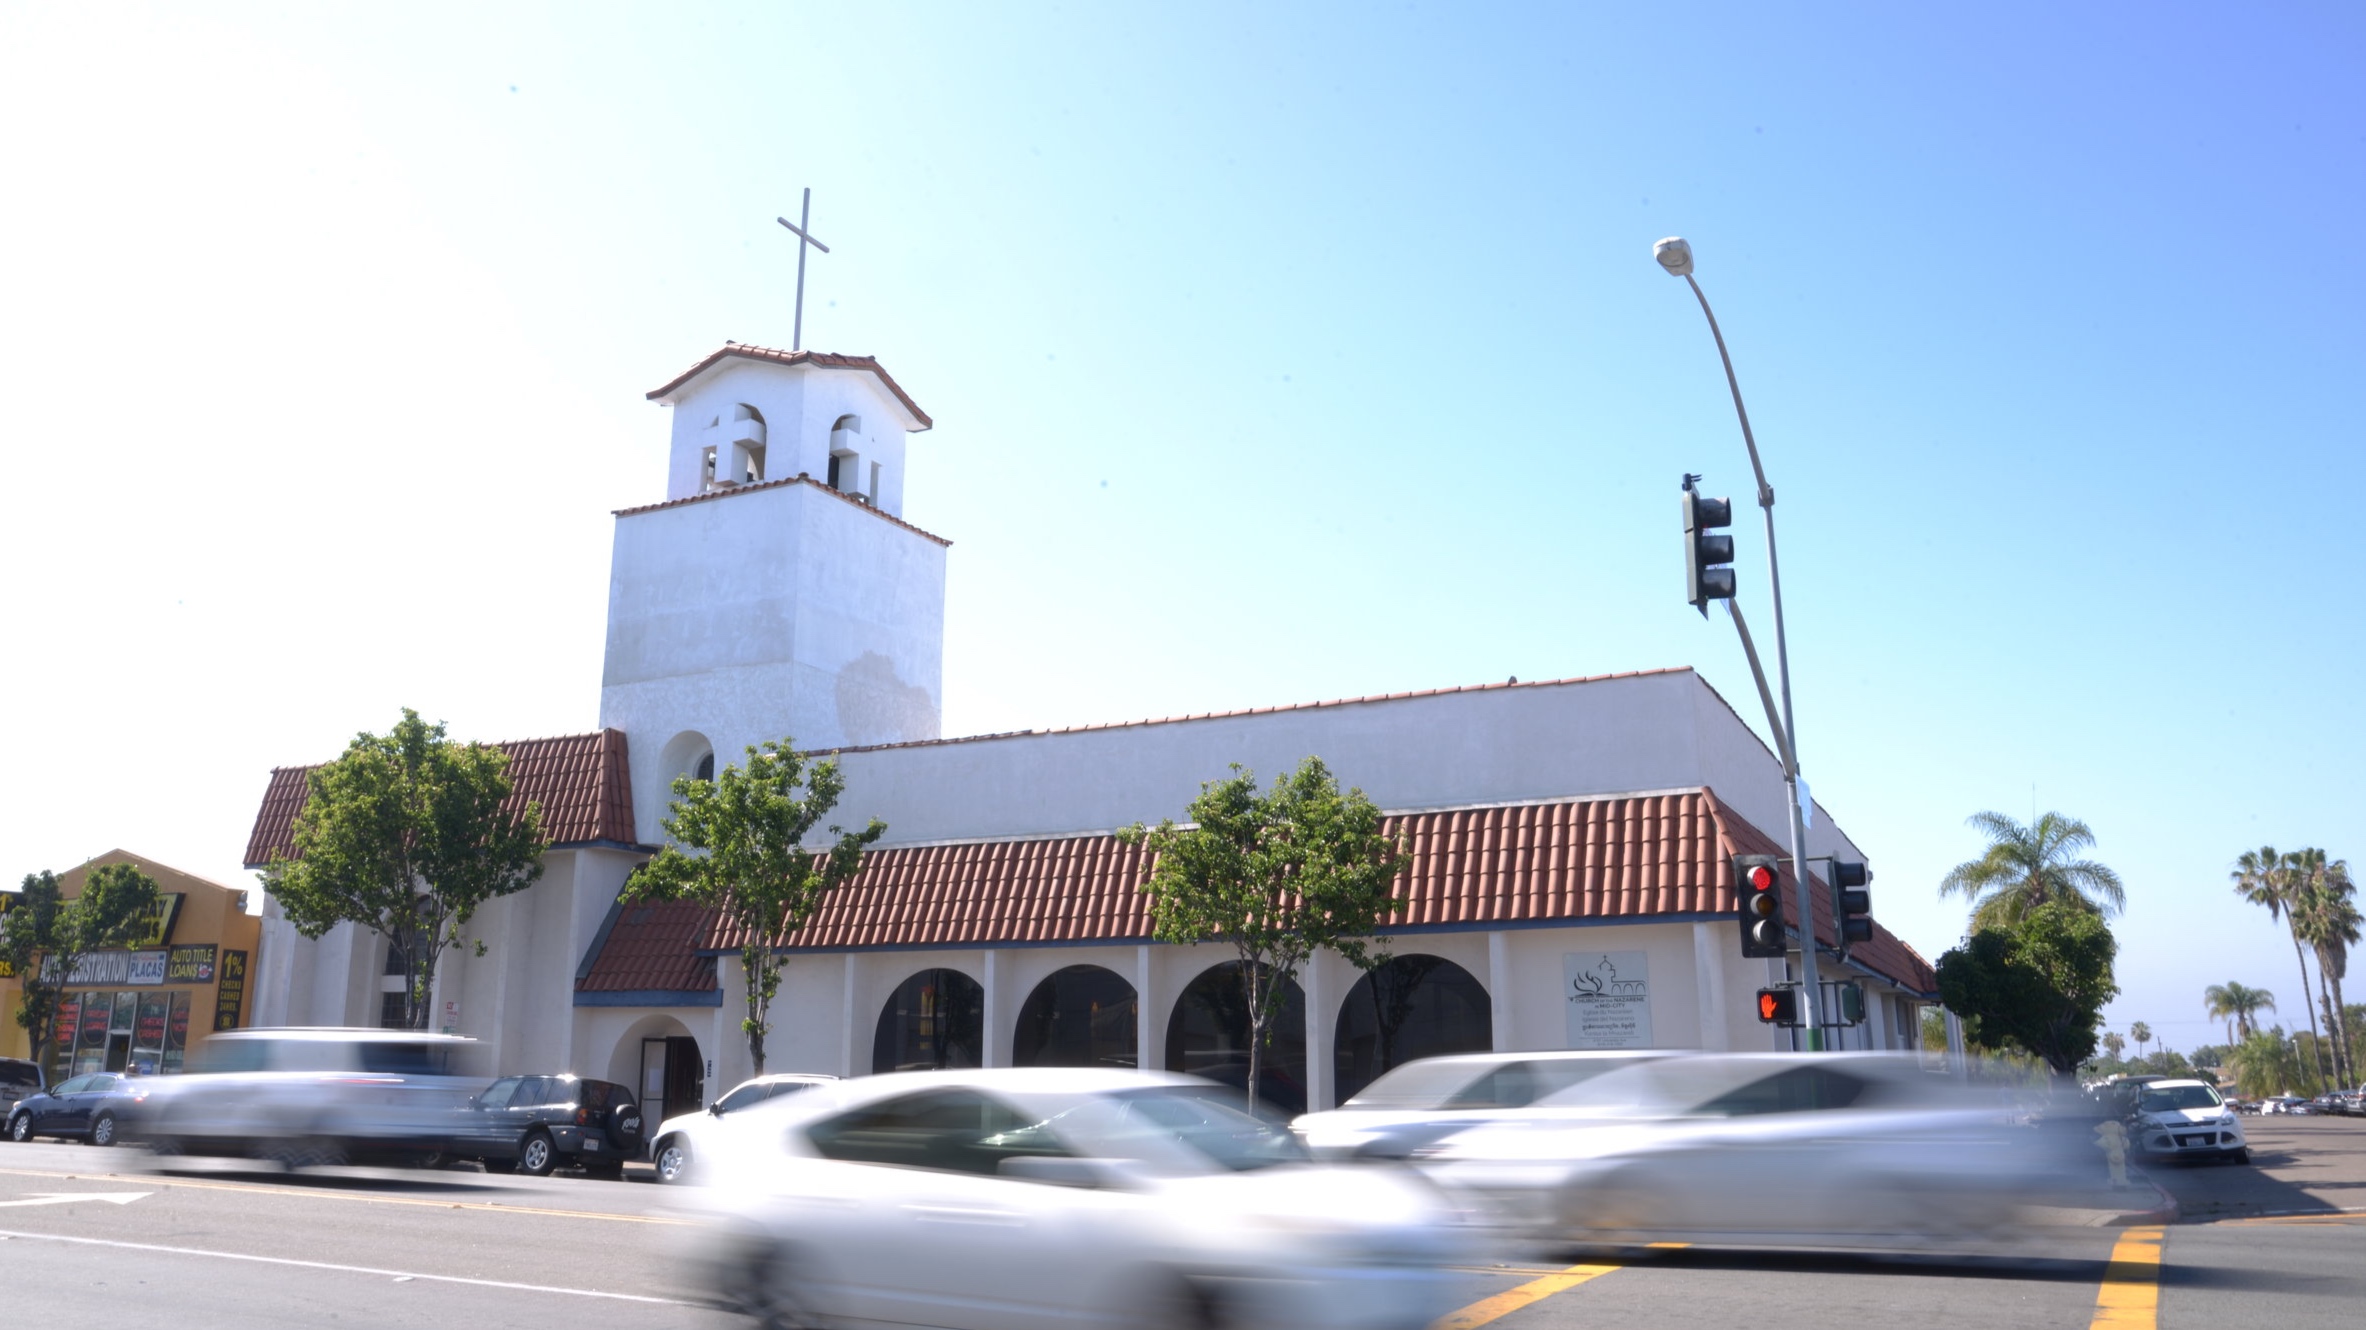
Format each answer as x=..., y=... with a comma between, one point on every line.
x=1761, y=877
x=1758, y=904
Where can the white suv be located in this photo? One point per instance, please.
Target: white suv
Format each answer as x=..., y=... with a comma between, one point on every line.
x=2187, y=1120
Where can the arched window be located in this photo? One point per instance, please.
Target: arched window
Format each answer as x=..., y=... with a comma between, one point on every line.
x=1413, y=1007
x=846, y=458
x=1208, y=1035
x=706, y=767
x=936, y=1020
x=1082, y=1016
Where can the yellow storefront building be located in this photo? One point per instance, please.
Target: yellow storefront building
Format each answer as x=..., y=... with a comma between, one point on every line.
x=141, y=1008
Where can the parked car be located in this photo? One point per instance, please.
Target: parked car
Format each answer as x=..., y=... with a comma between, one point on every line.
x=91, y=1107
x=1430, y=1099
x=1066, y=1196
x=314, y=1096
x=1751, y=1150
x=533, y=1124
x=682, y=1140
x=19, y=1077
x=2187, y=1120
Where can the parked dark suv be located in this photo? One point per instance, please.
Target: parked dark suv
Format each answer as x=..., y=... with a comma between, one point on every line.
x=533, y=1124
x=20, y=1079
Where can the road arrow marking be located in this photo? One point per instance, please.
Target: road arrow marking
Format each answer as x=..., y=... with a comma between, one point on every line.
x=63, y=1197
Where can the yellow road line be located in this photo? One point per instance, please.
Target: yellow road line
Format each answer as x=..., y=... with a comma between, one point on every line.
x=149, y=1180
x=2131, y=1292
x=1511, y=1300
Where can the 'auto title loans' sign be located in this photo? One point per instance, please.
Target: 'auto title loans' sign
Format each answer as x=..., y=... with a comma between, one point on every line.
x=1609, y=996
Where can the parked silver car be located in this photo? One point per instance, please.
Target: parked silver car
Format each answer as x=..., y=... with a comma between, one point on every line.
x=1752, y=1150
x=315, y=1096
x=1430, y=1099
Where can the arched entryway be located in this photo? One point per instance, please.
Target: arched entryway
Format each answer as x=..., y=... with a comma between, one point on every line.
x=935, y=1020
x=660, y=1061
x=1416, y=1006
x=1082, y=1016
x=1208, y=1035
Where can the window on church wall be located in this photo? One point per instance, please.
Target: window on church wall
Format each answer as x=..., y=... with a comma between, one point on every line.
x=1083, y=1016
x=935, y=1020
x=707, y=474
x=846, y=474
x=1416, y=1006
x=705, y=769
x=1208, y=1035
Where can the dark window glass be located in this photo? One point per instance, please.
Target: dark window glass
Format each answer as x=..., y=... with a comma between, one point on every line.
x=397, y=1058
x=1209, y=1036
x=553, y=1091
x=220, y=1055
x=75, y=1086
x=1799, y=1090
x=1083, y=1016
x=744, y=1096
x=956, y=1131
x=1417, y=1007
x=18, y=1073
x=499, y=1093
x=391, y=1015
x=935, y=1020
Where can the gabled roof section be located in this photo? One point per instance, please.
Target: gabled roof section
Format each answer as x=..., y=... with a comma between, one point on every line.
x=801, y=478
x=771, y=356
x=1630, y=858
x=651, y=950
x=582, y=782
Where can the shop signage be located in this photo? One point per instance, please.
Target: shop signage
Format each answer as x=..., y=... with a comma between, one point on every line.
x=230, y=993
x=1609, y=996
x=190, y=965
x=116, y=968
x=156, y=926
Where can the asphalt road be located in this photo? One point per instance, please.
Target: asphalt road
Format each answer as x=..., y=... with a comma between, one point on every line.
x=2281, y=1243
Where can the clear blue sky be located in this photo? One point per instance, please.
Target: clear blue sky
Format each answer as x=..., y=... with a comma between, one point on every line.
x=1276, y=356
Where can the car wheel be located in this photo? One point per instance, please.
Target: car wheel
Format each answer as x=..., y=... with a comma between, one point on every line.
x=20, y=1127
x=297, y=1152
x=2240, y=1156
x=102, y=1129
x=673, y=1159
x=536, y=1155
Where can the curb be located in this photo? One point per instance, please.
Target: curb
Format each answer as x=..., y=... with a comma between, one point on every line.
x=2165, y=1212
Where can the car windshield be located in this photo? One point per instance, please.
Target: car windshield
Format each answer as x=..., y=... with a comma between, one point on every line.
x=2173, y=1097
x=752, y=1093
x=1426, y=1084
x=1173, y=1130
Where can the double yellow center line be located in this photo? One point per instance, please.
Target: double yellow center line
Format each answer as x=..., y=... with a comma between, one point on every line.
x=2130, y=1298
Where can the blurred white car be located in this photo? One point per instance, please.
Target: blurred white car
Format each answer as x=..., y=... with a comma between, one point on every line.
x=682, y=1140
x=1428, y=1100
x=1017, y=1199
x=1753, y=1150
x=2187, y=1120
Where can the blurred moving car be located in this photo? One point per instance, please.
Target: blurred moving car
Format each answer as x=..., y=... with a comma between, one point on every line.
x=19, y=1078
x=2187, y=1120
x=1430, y=1099
x=1846, y=1149
x=1049, y=1196
x=314, y=1096
x=91, y=1107
x=681, y=1140
x=533, y=1124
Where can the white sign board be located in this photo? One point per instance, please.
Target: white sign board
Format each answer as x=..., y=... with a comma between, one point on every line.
x=1609, y=998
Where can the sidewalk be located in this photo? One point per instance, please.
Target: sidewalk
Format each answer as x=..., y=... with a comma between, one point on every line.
x=2144, y=1202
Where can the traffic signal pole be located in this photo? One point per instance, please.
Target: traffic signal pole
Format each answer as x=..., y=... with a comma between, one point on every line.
x=1787, y=727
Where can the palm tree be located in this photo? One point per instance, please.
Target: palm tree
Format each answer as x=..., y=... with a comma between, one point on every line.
x=2326, y=917
x=2113, y=1045
x=2265, y=1064
x=2238, y=1003
x=2027, y=866
x=2265, y=878
x=2142, y=1034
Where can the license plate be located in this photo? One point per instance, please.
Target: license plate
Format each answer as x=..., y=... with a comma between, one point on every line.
x=591, y=1145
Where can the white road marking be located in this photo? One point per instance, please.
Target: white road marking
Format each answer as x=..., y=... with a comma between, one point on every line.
x=344, y=1269
x=62, y=1197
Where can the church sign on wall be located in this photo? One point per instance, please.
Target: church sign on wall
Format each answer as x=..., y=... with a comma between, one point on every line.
x=1609, y=998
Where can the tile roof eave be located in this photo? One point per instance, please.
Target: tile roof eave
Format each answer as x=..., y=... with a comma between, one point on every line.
x=801, y=478
x=817, y=359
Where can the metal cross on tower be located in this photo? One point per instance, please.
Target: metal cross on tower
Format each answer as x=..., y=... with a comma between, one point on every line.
x=799, y=228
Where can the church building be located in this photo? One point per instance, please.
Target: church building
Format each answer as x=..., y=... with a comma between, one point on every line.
x=1570, y=840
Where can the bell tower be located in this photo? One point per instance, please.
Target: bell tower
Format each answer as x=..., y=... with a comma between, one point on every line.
x=776, y=592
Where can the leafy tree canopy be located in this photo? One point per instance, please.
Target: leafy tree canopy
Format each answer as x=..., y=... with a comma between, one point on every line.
x=748, y=827
x=44, y=935
x=1280, y=875
x=405, y=835
x=2039, y=984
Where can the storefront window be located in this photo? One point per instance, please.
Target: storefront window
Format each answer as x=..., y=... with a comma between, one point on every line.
x=934, y=1021
x=1082, y=1016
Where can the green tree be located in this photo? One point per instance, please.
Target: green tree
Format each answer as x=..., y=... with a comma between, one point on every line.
x=405, y=835
x=2325, y=915
x=45, y=935
x=2268, y=880
x=1280, y=876
x=2039, y=984
x=748, y=826
x=2238, y=1003
x=2028, y=866
x=2113, y=1046
x=2142, y=1034
x=2266, y=1063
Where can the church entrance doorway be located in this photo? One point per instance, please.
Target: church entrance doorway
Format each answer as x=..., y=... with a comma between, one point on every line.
x=673, y=1078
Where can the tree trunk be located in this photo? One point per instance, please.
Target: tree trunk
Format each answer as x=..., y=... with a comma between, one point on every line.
x=2341, y=1037
x=756, y=966
x=2317, y=1051
x=1256, y=993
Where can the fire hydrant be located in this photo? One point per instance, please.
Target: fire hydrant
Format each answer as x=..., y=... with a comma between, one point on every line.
x=2114, y=1139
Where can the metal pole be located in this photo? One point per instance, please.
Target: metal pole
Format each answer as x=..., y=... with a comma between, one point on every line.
x=797, y=331
x=1787, y=741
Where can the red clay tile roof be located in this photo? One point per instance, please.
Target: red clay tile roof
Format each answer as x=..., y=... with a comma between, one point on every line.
x=1636, y=857
x=801, y=478
x=653, y=948
x=1286, y=706
x=582, y=782
x=817, y=359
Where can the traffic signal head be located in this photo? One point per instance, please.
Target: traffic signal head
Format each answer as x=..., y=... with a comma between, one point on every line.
x=1706, y=555
x=1778, y=1006
x=1758, y=899
x=1852, y=904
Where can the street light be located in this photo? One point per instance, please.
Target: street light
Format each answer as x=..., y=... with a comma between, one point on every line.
x=1675, y=255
